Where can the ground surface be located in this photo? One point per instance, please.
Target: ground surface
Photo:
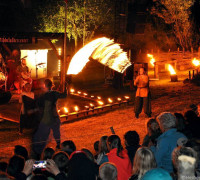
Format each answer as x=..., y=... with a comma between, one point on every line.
x=166, y=96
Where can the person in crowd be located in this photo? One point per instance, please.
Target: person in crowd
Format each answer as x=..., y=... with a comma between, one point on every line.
x=3, y=166
x=132, y=141
x=144, y=161
x=47, y=153
x=118, y=156
x=15, y=165
x=96, y=149
x=80, y=167
x=153, y=132
x=183, y=151
x=103, y=149
x=50, y=118
x=142, y=94
x=88, y=154
x=180, y=122
x=108, y=171
x=5, y=176
x=39, y=177
x=21, y=151
x=167, y=141
x=157, y=174
x=68, y=147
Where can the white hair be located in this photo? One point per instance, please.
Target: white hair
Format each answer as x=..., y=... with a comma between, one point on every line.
x=167, y=120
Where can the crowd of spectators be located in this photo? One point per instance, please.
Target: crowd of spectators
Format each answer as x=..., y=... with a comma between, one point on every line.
x=170, y=150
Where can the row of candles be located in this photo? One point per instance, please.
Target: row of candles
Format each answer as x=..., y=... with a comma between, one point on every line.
x=98, y=99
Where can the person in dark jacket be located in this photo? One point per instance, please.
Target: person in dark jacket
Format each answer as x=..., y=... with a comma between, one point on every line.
x=49, y=119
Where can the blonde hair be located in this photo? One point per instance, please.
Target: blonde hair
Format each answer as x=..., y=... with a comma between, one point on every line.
x=144, y=160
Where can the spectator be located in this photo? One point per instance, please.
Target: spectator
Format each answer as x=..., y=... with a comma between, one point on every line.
x=15, y=165
x=4, y=176
x=144, y=161
x=119, y=157
x=80, y=167
x=22, y=151
x=61, y=159
x=157, y=174
x=47, y=153
x=108, y=171
x=132, y=141
x=103, y=149
x=88, y=154
x=68, y=147
x=167, y=141
x=39, y=177
x=3, y=166
x=153, y=132
x=96, y=148
x=180, y=122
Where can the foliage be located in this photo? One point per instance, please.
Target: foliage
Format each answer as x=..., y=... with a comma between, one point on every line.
x=176, y=13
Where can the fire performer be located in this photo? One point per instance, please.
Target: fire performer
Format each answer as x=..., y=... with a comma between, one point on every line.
x=142, y=94
x=49, y=118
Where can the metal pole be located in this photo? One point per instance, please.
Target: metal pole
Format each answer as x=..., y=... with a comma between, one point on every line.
x=65, y=49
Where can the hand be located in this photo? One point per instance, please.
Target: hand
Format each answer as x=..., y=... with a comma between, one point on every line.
x=52, y=167
x=28, y=167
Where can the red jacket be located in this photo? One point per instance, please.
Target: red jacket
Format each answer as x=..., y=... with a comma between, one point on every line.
x=124, y=166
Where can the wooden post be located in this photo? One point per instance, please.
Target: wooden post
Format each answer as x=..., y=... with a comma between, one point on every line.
x=189, y=75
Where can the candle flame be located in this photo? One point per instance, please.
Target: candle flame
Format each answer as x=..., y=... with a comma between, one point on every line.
x=110, y=100
x=79, y=92
x=92, y=105
x=126, y=97
x=98, y=97
x=171, y=69
x=85, y=94
x=92, y=96
x=119, y=99
x=100, y=102
x=72, y=90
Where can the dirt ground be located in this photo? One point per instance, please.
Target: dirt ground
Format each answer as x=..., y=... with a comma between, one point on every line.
x=166, y=96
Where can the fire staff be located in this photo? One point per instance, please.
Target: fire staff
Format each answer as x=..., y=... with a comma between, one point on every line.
x=142, y=94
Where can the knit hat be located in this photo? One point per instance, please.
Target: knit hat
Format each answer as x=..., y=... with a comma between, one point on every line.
x=156, y=174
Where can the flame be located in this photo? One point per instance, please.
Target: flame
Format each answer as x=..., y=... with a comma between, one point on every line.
x=72, y=90
x=98, y=97
x=103, y=50
x=92, y=105
x=171, y=69
x=110, y=100
x=152, y=60
x=76, y=108
x=126, y=97
x=66, y=110
x=92, y=96
x=85, y=94
x=196, y=62
x=87, y=107
x=100, y=102
x=58, y=110
x=119, y=99
x=79, y=92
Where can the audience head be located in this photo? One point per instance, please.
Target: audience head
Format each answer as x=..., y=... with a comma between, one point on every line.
x=132, y=138
x=88, y=154
x=27, y=87
x=68, y=146
x=144, y=160
x=166, y=121
x=180, y=121
x=48, y=84
x=3, y=166
x=190, y=116
x=61, y=159
x=96, y=146
x=47, y=153
x=108, y=171
x=152, y=126
x=114, y=142
x=157, y=174
x=22, y=151
x=15, y=165
x=39, y=177
x=103, y=144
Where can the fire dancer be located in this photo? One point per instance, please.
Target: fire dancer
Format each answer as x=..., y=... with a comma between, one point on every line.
x=142, y=94
x=49, y=119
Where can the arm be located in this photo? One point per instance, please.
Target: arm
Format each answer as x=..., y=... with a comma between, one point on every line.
x=136, y=81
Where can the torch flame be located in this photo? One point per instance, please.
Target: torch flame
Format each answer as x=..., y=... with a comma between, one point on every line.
x=171, y=69
x=126, y=97
x=103, y=50
x=85, y=94
x=98, y=97
x=92, y=105
x=92, y=96
x=196, y=62
x=66, y=110
x=152, y=60
x=110, y=100
x=76, y=108
x=72, y=90
x=100, y=102
x=79, y=92
x=119, y=99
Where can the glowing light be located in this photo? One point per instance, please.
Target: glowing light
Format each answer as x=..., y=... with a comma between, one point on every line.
x=59, y=61
x=152, y=60
x=76, y=108
x=171, y=69
x=87, y=107
x=196, y=62
x=66, y=110
x=126, y=97
x=98, y=97
x=79, y=92
x=103, y=50
x=92, y=96
x=100, y=102
x=85, y=94
x=110, y=100
x=72, y=90
x=119, y=99
x=59, y=110
x=92, y=105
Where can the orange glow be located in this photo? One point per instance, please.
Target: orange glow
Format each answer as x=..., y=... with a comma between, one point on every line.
x=119, y=99
x=100, y=102
x=92, y=105
x=59, y=110
x=72, y=90
x=152, y=60
x=76, y=108
x=66, y=110
x=85, y=94
x=171, y=69
x=103, y=50
x=196, y=62
x=126, y=97
x=110, y=100
x=98, y=97
x=79, y=92
x=87, y=107
x=92, y=96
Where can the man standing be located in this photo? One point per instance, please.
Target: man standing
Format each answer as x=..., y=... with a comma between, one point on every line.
x=142, y=94
x=49, y=118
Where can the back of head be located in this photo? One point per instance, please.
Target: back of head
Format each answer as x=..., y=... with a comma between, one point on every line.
x=103, y=144
x=22, y=151
x=39, y=177
x=180, y=125
x=96, y=146
x=61, y=159
x=47, y=153
x=68, y=146
x=157, y=174
x=132, y=138
x=15, y=165
x=108, y=171
x=48, y=83
x=166, y=121
x=88, y=154
x=144, y=160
